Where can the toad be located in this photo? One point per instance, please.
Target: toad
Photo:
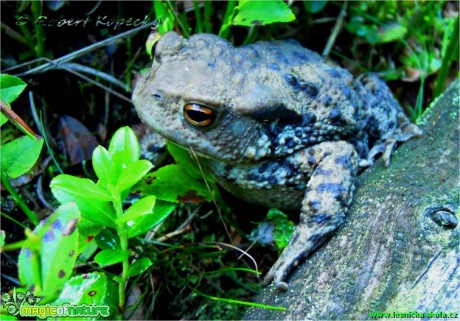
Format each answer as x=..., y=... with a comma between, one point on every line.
x=276, y=124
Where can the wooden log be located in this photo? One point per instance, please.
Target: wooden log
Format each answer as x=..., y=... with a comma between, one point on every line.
x=398, y=250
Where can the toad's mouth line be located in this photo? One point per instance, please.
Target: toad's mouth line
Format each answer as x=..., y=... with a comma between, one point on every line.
x=194, y=151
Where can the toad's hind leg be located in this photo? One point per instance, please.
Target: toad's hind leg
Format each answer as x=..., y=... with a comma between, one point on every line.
x=329, y=191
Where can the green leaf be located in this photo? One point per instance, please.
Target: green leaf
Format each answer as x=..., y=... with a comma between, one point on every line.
x=171, y=183
x=165, y=16
x=256, y=13
x=142, y=207
x=284, y=228
x=104, y=166
x=139, y=266
x=124, y=148
x=144, y=223
x=86, y=248
x=91, y=289
x=59, y=247
x=67, y=190
x=151, y=41
x=3, y=119
x=79, y=188
x=314, y=6
x=49, y=254
x=185, y=159
x=358, y=27
x=10, y=88
x=20, y=155
x=2, y=238
x=88, y=228
x=109, y=257
x=132, y=174
x=275, y=228
x=391, y=32
x=385, y=33
x=29, y=265
x=99, y=213
x=108, y=239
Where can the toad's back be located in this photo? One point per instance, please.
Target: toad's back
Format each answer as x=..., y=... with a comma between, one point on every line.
x=270, y=99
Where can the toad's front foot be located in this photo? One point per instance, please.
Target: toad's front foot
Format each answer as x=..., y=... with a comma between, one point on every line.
x=279, y=272
x=303, y=242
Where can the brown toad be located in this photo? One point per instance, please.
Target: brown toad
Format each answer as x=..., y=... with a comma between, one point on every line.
x=275, y=123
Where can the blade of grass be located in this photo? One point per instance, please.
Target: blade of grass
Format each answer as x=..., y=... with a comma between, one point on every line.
x=233, y=301
x=27, y=35
x=251, y=35
x=14, y=34
x=208, y=10
x=451, y=54
x=335, y=31
x=181, y=20
x=198, y=18
x=227, y=20
x=96, y=73
x=40, y=36
x=18, y=199
x=419, y=101
x=129, y=63
x=13, y=220
x=42, y=131
x=232, y=269
x=416, y=111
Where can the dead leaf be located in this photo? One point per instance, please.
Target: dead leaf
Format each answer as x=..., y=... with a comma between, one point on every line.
x=79, y=142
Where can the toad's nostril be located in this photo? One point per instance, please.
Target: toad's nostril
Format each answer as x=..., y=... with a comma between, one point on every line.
x=158, y=96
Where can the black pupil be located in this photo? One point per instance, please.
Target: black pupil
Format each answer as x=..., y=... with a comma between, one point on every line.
x=198, y=116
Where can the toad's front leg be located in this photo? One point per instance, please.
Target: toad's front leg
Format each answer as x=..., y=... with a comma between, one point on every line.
x=329, y=192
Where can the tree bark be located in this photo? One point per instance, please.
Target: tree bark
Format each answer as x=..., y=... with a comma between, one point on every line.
x=398, y=250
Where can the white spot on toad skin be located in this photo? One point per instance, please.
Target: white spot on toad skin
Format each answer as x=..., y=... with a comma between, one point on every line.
x=262, y=142
x=261, y=153
x=251, y=152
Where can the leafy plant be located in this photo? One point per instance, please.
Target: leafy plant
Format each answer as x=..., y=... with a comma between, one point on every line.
x=118, y=169
x=21, y=154
x=422, y=51
x=179, y=183
x=256, y=13
x=48, y=254
x=164, y=15
x=101, y=203
x=247, y=13
x=275, y=228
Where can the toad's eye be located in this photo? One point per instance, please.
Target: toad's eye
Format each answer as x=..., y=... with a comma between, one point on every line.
x=199, y=115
